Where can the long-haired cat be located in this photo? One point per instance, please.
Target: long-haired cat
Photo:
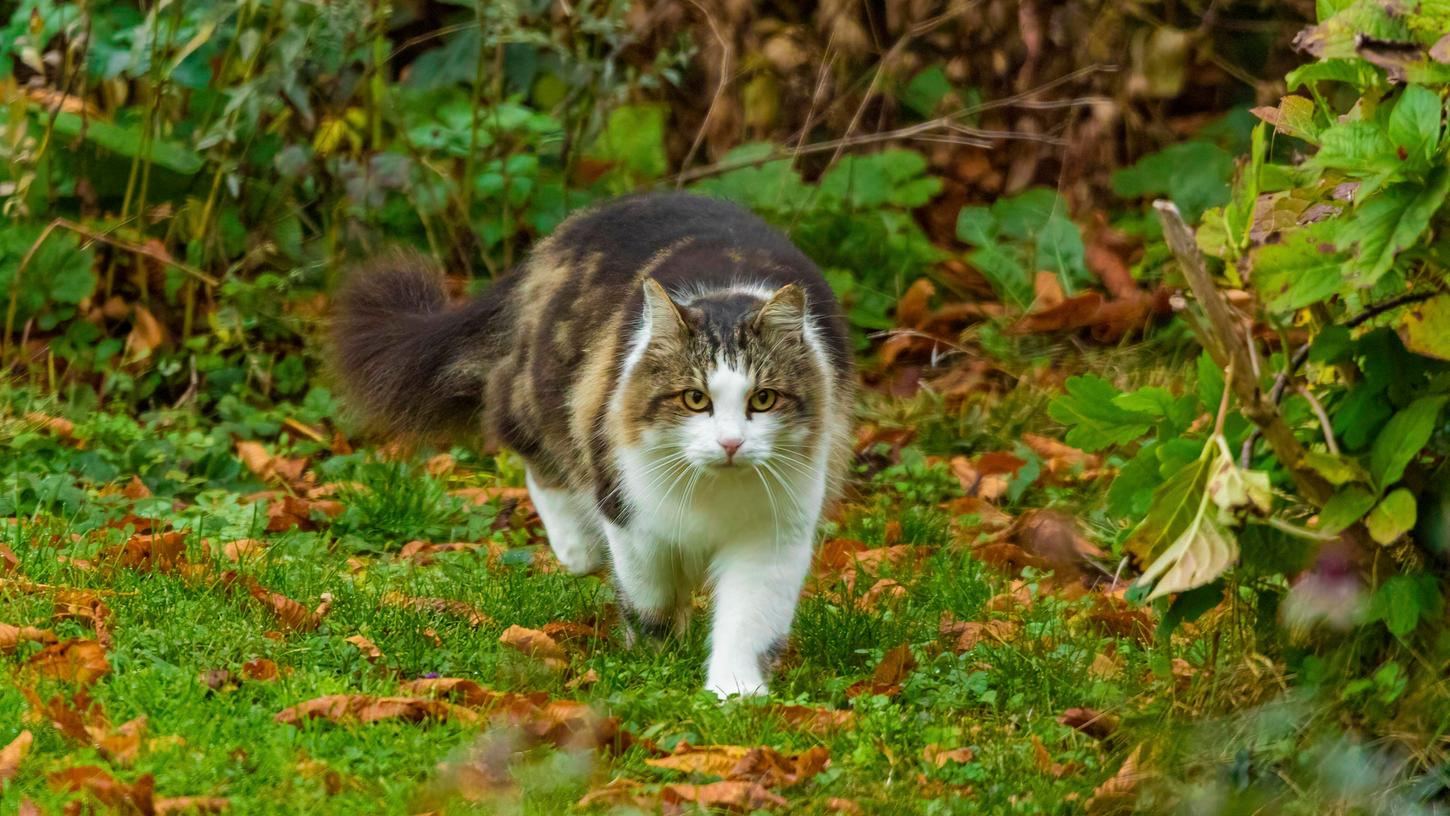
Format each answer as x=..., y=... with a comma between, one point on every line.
x=678, y=378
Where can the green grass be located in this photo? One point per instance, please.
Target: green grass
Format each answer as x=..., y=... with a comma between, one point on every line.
x=998, y=699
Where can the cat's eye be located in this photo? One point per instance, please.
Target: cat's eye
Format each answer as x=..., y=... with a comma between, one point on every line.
x=695, y=400
x=764, y=399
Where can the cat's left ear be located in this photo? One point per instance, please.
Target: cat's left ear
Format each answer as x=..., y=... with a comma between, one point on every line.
x=784, y=311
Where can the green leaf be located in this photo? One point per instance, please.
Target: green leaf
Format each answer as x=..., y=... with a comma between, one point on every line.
x=1210, y=383
x=976, y=226
x=1150, y=400
x=1299, y=271
x=1390, y=222
x=1336, y=469
x=1402, y=438
x=1007, y=274
x=1345, y=508
x=1176, y=503
x=1403, y=600
x=1189, y=606
x=1194, y=174
x=926, y=90
x=634, y=138
x=1357, y=147
x=1427, y=327
x=889, y=177
x=1414, y=124
x=1022, y=215
x=1131, y=493
x=1355, y=72
x=128, y=140
x=1096, y=422
x=1392, y=517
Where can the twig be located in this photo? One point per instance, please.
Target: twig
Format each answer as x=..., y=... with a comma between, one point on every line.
x=1323, y=420
x=727, y=60
x=1227, y=347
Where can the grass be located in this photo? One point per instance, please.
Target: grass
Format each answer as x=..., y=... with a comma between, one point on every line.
x=1001, y=700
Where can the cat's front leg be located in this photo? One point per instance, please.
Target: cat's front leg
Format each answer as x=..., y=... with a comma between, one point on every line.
x=757, y=586
x=570, y=523
x=646, y=582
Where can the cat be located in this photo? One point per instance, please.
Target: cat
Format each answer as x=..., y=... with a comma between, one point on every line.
x=679, y=380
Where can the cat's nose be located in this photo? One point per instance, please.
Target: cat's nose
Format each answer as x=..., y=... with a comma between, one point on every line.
x=731, y=444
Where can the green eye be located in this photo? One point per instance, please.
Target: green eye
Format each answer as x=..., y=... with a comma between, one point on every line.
x=695, y=400
x=764, y=399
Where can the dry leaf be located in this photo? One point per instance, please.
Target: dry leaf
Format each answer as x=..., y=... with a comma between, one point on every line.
x=13, y=754
x=260, y=669
x=1118, y=792
x=293, y=511
x=191, y=804
x=968, y=634
x=818, y=721
x=134, y=797
x=369, y=649
x=1093, y=723
x=73, y=661
x=243, y=548
x=886, y=680
x=620, y=793
x=366, y=709
x=292, y=615
x=939, y=756
x=711, y=760
x=9, y=561
x=12, y=636
x=740, y=797
x=446, y=606
x=536, y=644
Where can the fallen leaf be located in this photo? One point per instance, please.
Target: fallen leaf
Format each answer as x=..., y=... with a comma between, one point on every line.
x=12, y=636
x=446, y=606
x=367, y=709
x=976, y=483
x=13, y=754
x=9, y=561
x=818, y=721
x=260, y=669
x=1056, y=539
x=149, y=552
x=459, y=689
x=243, y=548
x=294, y=511
x=619, y=793
x=291, y=614
x=939, y=757
x=123, y=797
x=1089, y=721
x=836, y=804
x=911, y=309
x=1118, y=792
x=535, y=644
x=136, y=489
x=741, y=797
x=73, y=661
x=886, y=679
x=880, y=591
x=710, y=760
x=423, y=553
x=191, y=804
x=369, y=649
x=966, y=635
x=60, y=426
x=1045, y=763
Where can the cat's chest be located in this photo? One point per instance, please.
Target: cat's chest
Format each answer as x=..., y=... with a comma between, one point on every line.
x=716, y=510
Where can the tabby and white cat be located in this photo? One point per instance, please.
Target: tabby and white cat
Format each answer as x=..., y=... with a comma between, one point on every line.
x=678, y=378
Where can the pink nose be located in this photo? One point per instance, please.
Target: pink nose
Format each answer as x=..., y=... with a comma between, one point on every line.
x=731, y=445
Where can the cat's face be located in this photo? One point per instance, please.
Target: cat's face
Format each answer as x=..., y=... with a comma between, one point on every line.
x=727, y=381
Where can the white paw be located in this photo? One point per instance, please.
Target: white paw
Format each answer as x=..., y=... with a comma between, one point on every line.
x=577, y=556
x=732, y=684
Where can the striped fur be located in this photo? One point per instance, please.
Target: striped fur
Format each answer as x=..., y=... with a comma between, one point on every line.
x=579, y=362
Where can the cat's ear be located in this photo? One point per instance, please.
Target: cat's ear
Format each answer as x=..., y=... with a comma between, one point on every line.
x=665, y=319
x=784, y=311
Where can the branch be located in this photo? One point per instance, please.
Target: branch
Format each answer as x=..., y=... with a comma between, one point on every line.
x=1229, y=350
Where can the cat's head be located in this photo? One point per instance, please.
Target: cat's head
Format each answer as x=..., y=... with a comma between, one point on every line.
x=729, y=378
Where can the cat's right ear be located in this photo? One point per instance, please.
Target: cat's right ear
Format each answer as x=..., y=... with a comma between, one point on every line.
x=665, y=319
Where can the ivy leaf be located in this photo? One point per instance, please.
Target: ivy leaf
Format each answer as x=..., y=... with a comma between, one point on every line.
x=1426, y=327
x=1392, y=517
x=1096, y=421
x=1390, y=222
x=1403, y=437
x=1414, y=124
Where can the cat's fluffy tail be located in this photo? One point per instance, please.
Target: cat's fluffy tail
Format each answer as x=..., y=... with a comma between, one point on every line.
x=407, y=361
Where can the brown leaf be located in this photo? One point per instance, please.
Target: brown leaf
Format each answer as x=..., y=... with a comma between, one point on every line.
x=886, y=680
x=883, y=590
x=422, y=553
x=123, y=797
x=60, y=426
x=366, y=709
x=293, y=511
x=461, y=690
x=1113, y=616
x=243, y=548
x=818, y=721
x=13, y=754
x=536, y=644
x=911, y=310
x=1045, y=763
x=1089, y=721
x=122, y=745
x=836, y=804
x=192, y=804
x=446, y=606
x=256, y=457
x=12, y=636
x=260, y=669
x=146, y=335
x=292, y=615
x=968, y=634
x=975, y=483
x=73, y=661
x=9, y=561
x=151, y=552
x=939, y=756
x=369, y=649
x=710, y=760
x=1055, y=538
x=136, y=489
x=741, y=797
x=773, y=769
x=1118, y=792
x=620, y=793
